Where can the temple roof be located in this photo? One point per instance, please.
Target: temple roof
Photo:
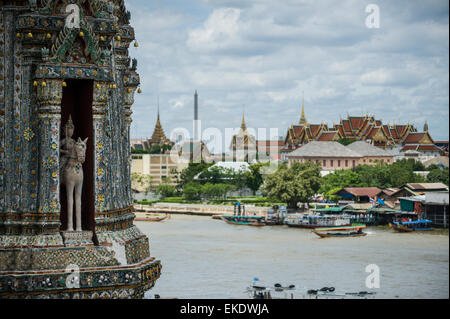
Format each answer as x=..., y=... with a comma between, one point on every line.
x=158, y=136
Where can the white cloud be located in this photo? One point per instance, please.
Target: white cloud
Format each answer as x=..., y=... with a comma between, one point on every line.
x=260, y=55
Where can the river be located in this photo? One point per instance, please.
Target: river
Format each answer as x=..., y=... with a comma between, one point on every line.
x=207, y=258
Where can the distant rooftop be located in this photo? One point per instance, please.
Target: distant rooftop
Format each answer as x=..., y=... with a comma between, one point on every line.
x=323, y=149
x=367, y=149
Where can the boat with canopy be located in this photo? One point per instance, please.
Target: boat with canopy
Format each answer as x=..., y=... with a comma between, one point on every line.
x=410, y=226
x=244, y=220
x=349, y=231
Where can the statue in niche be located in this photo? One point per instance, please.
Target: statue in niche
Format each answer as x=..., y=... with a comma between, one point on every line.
x=71, y=173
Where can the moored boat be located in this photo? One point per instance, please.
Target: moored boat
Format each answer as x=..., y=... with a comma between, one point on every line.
x=150, y=217
x=314, y=221
x=410, y=226
x=244, y=220
x=350, y=231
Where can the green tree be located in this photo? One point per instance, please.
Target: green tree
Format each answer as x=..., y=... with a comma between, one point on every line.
x=187, y=175
x=438, y=176
x=254, y=178
x=216, y=191
x=339, y=179
x=166, y=190
x=297, y=183
x=345, y=141
x=192, y=191
x=142, y=180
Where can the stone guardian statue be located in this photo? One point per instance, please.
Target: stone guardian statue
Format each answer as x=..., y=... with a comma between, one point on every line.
x=72, y=159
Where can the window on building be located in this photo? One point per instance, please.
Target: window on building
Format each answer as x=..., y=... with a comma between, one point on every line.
x=331, y=163
x=324, y=163
x=346, y=163
x=317, y=161
x=354, y=163
x=339, y=163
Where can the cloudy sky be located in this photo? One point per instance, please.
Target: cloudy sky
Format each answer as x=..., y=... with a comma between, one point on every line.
x=262, y=56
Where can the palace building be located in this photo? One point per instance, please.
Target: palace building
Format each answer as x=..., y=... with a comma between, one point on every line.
x=361, y=128
x=243, y=144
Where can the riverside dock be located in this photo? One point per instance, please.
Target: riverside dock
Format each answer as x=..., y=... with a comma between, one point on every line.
x=198, y=209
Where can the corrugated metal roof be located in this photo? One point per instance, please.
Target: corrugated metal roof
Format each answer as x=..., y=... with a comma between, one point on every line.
x=426, y=186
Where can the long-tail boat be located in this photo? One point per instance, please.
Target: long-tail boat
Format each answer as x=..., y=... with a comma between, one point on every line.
x=349, y=231
x=244, y=220
x=150, y=217
x=410, y=226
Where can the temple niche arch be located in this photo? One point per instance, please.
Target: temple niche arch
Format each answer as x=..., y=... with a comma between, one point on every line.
x=76, y=103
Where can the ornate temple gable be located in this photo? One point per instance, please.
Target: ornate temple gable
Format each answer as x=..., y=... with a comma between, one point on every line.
x=379, y=135
x=355, y=122
x=426, y=139
x=76, y=46
x=314, y=130
x=103, y=25
x=418, y=138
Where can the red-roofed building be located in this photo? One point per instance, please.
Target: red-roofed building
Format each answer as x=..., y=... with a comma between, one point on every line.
x=359, y=194
x=363, y=128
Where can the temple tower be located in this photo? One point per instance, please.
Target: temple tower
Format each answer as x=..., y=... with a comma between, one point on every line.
x=62, y=59
x=158, y=136
x=302, y=120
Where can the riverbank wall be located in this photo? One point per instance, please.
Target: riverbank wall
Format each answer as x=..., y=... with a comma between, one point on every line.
x=198, y=209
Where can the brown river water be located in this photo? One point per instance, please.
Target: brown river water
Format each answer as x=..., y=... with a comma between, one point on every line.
x=207, y=258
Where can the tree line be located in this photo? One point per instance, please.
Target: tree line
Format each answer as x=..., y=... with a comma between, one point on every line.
x=291, y=184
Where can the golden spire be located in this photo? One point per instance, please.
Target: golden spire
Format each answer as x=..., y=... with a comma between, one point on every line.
x=158, y=136
x=303, y=117
x=243, y=125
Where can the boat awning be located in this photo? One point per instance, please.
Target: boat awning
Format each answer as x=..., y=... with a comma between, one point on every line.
x=239, y=216
x=422, y=221
x=341, y=228
x=331, y=209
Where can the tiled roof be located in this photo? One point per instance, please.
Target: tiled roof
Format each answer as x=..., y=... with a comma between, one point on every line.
x=366, y=149
x=426, y=186
x=323, y=149
x=428, y=147
x=346, y=124
x=413, y=138
x=408, y=147
x=327, y=136
x=360, y=191
x=356, y=122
